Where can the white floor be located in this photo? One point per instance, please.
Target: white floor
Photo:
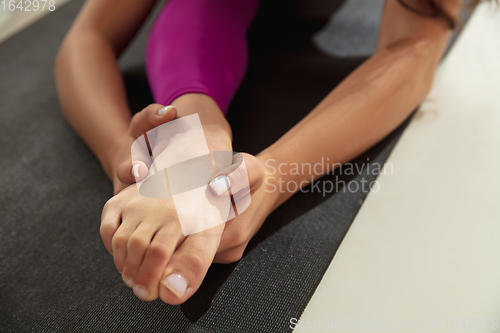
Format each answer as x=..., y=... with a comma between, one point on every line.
x=423, y=254
x=11, y=22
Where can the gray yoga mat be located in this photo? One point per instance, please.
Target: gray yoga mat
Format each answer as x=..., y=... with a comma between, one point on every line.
x=56, y=275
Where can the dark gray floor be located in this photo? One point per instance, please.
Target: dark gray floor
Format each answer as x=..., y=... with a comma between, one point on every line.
x=55, y=274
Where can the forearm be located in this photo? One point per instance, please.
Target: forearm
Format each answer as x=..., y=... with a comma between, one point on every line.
x=362, y=110
x=92, y=94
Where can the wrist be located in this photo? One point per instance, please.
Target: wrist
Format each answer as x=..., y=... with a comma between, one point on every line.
x=274, y=196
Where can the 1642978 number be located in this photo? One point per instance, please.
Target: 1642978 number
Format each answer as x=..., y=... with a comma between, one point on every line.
x=28, y=5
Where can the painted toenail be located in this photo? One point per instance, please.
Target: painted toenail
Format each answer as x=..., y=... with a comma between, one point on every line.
x=176, y=284
x=128, y=281
x=141, y=292
x=220, y=185
x=163, y=111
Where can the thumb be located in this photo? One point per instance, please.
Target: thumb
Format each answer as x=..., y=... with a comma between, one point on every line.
x=245, y=174
x=150, y=117
x=130, y=172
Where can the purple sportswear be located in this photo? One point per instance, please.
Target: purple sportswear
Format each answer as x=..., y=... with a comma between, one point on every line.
x=199, y=46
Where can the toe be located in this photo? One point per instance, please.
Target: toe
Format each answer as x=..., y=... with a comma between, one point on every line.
x=137, y=245
x=110, y=221
x=119, y=243
x=188, y=266
x=147, y=279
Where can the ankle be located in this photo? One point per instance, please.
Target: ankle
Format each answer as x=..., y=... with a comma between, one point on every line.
x=216, y=128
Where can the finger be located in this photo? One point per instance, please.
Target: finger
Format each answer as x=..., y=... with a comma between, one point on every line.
x=150, y=117
x=234, y=240
x=188, y=265
x=245, y=173
x=130, y=172
x=137, y=166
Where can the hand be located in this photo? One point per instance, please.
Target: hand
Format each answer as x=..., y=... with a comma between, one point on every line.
x=124, y=171
x=238, y=231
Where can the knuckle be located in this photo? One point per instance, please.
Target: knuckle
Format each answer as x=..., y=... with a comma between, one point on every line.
x=151, y=107
x=107, y=206
x=118, y=263
x=238, y=239
x=159, y=251
x=129, y=267
x=236, y=256
x=251, y=162
x=137, y=243
x=105, y=231
x=119, y=242
x=254, y=170
x=133, y=205
x=195, y=262
x=230, y=257
x=136, y=117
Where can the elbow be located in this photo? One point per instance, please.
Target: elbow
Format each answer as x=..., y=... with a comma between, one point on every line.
x=419, y=49
x=427, y=57
x=404, y=70
x=420, y=58
x=416, y=48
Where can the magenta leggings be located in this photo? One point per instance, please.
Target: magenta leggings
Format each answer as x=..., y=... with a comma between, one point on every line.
x=199, y=46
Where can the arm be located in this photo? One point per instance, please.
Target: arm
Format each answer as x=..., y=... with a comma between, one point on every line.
x=89, y=84
x=372, y=101
x=184, y=66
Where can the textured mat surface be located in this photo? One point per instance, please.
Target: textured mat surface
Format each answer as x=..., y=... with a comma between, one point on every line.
x=55, y=274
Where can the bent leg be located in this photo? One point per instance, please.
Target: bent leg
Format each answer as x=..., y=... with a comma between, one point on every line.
x=199, y=46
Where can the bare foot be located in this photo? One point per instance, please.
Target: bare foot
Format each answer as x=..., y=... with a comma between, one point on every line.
x=144, y=235
x=149, y=249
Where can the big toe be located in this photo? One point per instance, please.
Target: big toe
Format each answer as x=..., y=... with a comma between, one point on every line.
x=188, y=266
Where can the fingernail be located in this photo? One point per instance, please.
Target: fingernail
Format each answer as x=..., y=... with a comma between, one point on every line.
x=135, y=170
x=128, y=281
x=141, y=292
x=176, y=284
x=164, y=110
x=220, y=185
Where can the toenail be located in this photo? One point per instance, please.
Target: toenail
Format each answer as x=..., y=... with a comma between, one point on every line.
x=220, y=185
x=163, y=111
x=128, y=281
x=141, y=292
x=176, y=284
